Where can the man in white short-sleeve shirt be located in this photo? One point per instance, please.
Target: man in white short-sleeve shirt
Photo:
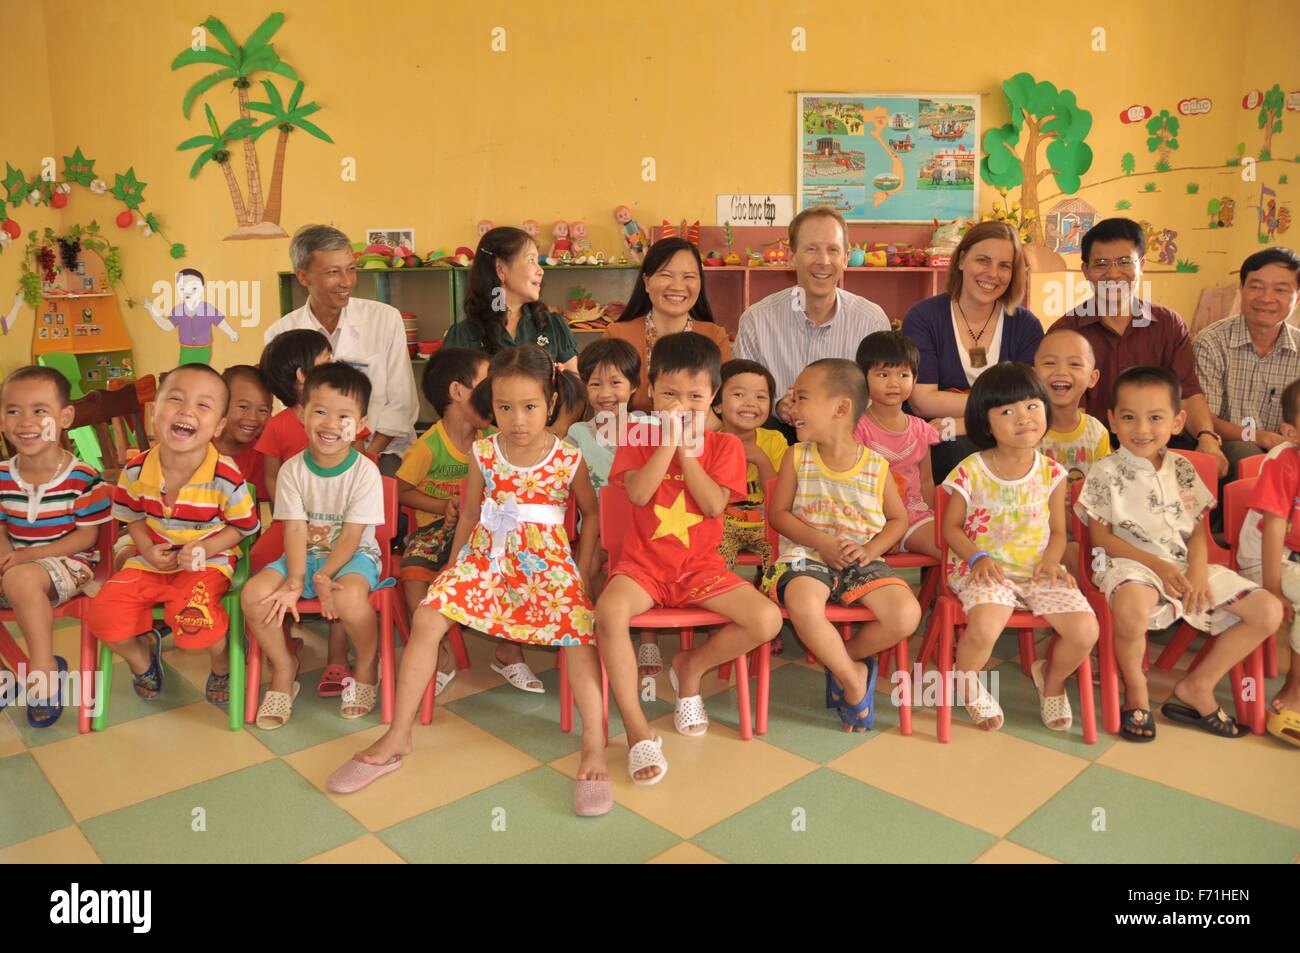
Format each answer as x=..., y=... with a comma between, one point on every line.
x=815, y=319
x=366, y=334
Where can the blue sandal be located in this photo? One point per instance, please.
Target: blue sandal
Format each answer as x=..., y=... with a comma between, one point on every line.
x=46, y=714
x=863, y=714
x=148, y=685
x=834, y=691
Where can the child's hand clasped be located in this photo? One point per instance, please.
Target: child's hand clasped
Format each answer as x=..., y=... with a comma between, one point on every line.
x=987, y=572
x=1197, y=597
x=162, y=556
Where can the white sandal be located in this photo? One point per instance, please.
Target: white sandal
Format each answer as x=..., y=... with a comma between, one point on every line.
x=442, y=680
x=276, y=709
x=1055, y=708
x=647, y=754
x=358, y=695
x=649, y=656
x=984, y=707
x=520, y=676
x=688, y=713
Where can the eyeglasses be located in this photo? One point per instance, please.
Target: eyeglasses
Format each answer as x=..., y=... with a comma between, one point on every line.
x=1127, y=263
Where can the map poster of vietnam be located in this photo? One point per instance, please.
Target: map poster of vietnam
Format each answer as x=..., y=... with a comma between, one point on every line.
x=890, y=157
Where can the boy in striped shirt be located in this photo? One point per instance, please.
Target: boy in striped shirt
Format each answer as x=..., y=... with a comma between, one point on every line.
x=186, y=509
x=51, y=505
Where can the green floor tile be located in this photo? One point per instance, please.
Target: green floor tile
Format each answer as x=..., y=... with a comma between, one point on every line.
x=1019, y=700
x=1148, y=823
x=314, y=720
x=124, y=705
x=843, y=821
x=531, y=722
x=29, y=807
x=268, y=813
x=527, y=819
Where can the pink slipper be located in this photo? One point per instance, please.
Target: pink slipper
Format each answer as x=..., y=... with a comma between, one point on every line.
x=355, y=775
x=592, y=798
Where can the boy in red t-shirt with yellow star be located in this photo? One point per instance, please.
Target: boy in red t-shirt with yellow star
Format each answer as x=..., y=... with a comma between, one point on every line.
x=679, y=487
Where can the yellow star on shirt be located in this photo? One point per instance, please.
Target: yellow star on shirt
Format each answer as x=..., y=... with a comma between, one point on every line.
x=675, y=520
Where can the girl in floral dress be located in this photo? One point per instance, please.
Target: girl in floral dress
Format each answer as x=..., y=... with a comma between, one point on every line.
x=515, y=575
x=1005, y=529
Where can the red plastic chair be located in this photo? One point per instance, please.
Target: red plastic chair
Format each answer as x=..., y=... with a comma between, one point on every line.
x=952, y=617
x=12, y=656
x=454, y=635
x=1236, y=501
x=387, y=602
x=1208, y=471
x=1248, y=467
x=616, y=511
x=1109, y=676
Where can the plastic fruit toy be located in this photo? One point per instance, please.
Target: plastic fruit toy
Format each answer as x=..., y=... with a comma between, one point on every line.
x=12, y=228
x=58, y=200
x=713, y=259
x=876, y=259
x=733, y=260
x=856, y=257
x=124, y=219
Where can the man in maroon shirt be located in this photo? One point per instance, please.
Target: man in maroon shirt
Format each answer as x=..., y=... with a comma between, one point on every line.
x=1126, y=331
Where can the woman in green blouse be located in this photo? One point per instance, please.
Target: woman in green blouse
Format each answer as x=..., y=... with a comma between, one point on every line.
x=502, y=307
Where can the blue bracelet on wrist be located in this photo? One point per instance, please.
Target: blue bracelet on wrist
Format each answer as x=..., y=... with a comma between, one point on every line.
x=970, y=563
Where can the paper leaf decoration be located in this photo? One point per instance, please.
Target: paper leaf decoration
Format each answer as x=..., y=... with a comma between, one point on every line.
x=77, y=168
x=127, y=189
x=15, y=184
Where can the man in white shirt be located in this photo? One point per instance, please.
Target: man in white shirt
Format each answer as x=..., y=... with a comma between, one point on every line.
x=366, y=334
x=815, y=319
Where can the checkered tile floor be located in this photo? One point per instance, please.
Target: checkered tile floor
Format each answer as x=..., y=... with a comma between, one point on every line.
x=491, y=779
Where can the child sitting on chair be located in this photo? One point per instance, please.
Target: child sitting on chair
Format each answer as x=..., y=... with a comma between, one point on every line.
x=1144, y=508
x=51, y=508
x=839, y=511
x=186, y=509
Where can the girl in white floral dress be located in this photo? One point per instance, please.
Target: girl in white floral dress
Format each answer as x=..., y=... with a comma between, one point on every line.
x=514, y=576
x=1005, y=529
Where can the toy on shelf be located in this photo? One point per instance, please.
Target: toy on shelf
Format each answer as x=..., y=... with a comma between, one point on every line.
x=753, y=259
x=635, y=238
x=943, y=243
x=561, y=247
x=582, y=253
x=689, y=232
x=463, y=256
x=778, y=252
x=732, y=260
x=875, y=259
x=857, y=255
x=533, y=229
x=713, y=259
x=484, y=226
x=438, y=258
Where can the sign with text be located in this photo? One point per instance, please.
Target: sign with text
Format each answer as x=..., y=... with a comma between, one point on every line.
x=757, y=209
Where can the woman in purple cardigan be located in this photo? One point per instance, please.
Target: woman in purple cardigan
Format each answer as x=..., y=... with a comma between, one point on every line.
x=975, y=324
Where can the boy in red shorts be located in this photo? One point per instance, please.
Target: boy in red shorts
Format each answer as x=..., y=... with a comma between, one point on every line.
x=679, y=487
x=186, y=509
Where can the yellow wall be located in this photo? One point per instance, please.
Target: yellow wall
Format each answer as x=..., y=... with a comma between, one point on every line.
x=444, y=131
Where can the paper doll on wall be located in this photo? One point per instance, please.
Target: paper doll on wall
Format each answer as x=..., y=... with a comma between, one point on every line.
x=193, y=318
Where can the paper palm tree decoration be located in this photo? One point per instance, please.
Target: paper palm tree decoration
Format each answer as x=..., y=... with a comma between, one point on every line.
x=216, y=148
x=286, y=119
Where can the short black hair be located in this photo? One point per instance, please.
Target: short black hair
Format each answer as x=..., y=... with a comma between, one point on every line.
x=247, y=371
x=738, y=366
x=571, y=394
x=189, y=273
x=1009, y=382
x=1277, y=255
x=35, y=372
x=1291, y=402
x=288, y=353
x=887, y=349
x=843, y=378
x=203, y=369
x=1058, y=329
x=344, y=378
x=610, y=352
x=686, y=351
x=447, y=366
x=1111, y=230
x=1146, y=376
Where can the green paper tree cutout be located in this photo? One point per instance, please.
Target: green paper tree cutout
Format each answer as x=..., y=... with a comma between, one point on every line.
x=285, y=119
x=1163, y=138
x=127, y=189
x=1042, y=114
x=1127, y=164
x=77, y=168
x=1270, y=119
x=15, y=184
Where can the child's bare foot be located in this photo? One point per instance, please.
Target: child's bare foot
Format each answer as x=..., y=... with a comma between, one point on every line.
x=1288, y=697
x=384, y=750
x=688, y=684
x=650, y=771
x=1196, y=696
x=593, y=766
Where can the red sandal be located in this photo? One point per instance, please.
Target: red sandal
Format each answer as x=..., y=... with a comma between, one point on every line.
x=331, y=681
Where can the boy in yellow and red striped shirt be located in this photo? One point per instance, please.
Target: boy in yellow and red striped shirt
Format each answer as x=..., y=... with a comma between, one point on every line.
x=186, y=509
